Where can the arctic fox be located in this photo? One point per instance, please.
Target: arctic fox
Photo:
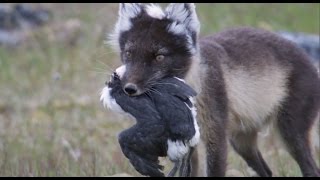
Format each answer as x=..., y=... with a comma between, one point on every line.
x=246, y=78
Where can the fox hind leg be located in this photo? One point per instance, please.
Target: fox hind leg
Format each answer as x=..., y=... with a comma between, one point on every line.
x=296, y=139
x=297, y=116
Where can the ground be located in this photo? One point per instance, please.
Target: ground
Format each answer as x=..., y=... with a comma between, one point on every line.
x=51, y=120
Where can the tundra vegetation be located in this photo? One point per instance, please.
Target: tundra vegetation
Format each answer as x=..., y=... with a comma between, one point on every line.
x=51, y=120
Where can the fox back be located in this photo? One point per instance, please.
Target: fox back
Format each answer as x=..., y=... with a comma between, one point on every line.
x=246, y=78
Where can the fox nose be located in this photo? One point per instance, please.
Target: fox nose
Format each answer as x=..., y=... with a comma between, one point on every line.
x=130, y=88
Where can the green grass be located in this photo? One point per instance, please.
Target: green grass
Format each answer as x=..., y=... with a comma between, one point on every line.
x=271, y=16
x=51, y=120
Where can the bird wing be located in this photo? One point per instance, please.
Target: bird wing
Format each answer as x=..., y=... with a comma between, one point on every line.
x=176, y=87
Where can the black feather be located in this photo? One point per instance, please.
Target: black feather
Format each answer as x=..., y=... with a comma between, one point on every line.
x=161, y=115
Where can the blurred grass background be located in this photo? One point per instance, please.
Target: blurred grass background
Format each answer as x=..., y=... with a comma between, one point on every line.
x=51, y=120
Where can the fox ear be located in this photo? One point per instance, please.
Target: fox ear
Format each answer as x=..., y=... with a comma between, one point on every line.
x=184, y=18
x=127, y=11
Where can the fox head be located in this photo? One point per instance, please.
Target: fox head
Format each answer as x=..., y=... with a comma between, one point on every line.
x=154, y=43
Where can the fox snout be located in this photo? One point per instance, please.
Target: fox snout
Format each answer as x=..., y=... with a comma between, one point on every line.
x=130, y=88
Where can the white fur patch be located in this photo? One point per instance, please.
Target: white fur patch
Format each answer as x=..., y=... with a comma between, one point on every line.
x=178, y=11
x=121, y=70
x=185, y=22
x=127, y=11
x=111, y=103
x=185, y=14
x=180, y=79
x=177, y=28
x=176, y=150
x=180, y=29
x=155, y=11
x=191, y=47
x=254, y=96
x=196, y=138
x=105, y=95
x=108, y=101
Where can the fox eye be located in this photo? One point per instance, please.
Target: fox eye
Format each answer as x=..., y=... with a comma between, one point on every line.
x=128, y=54
x=159, y=58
